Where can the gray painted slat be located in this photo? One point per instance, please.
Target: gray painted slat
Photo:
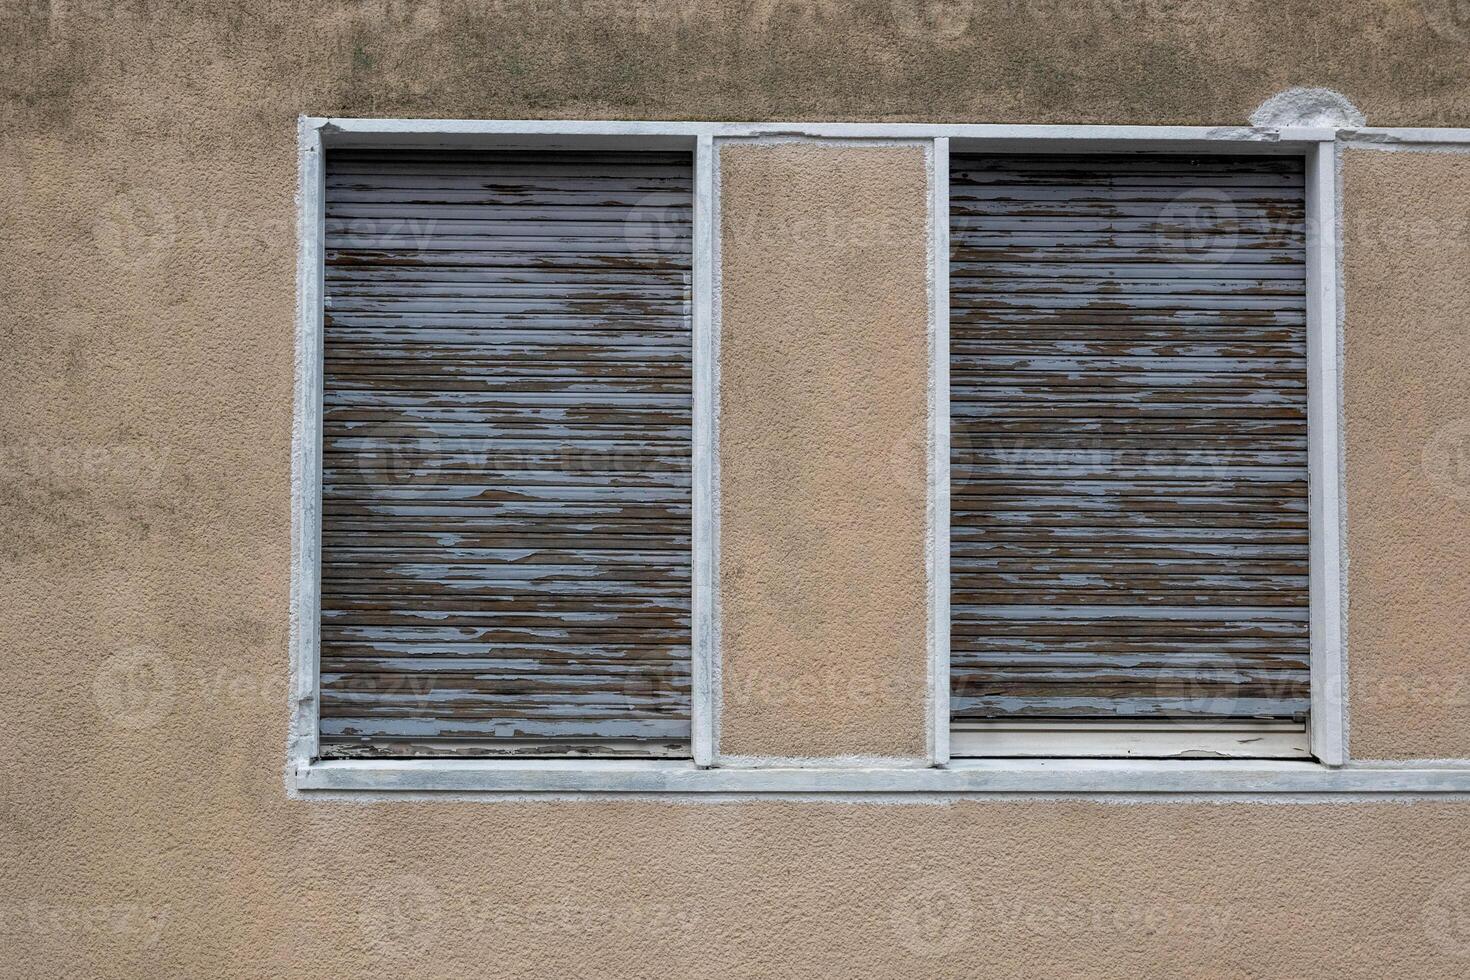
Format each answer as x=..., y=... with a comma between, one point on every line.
x=515, y=320
x=394, y=278
x=415, y=219
x=494, y=411
x=410, y=475
x=1141, y=240
x=971, y=199
x=979, y=343
x=361, y=295
x=964, y=287
x=1134, y=523
x=1116, y=165
x=589, y=304
x=1115, y=316
x=360, y=557
x=1121, y=259
x=670, y=299
x=546, y=173
x=501, y=399
x=424, y=344
x=604, y=236
x=641, y=201
x=381, y=356
x=1107, y=269
x=1182, y=213
x=553, y=663
x=506, y=436
x=1120, y=411
x=537, y=254
x=368, y=733
x=1128, y=454
x=1135, y=387
x=1129, y=497
x=490, y=638
x=1120, y=302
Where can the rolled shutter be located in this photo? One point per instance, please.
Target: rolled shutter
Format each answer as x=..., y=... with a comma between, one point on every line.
x=506, y=454
x=1129, y=438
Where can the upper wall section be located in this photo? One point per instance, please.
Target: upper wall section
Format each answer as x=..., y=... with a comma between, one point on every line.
x=1406, y=375
x=151, y=66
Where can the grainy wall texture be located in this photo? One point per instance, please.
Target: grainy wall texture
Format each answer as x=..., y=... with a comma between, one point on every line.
x=166, y=67
x=823, y=428
x=148, y=169
x=1407, y=380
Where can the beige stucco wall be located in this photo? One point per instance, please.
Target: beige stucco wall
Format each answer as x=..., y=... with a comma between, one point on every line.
x=1407, y=407
x=148, y=167
x=823, y=466
x=1109, y=61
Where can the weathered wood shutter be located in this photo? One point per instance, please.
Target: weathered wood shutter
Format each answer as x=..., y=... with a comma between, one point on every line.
x=1129, y=438
x=506, y=454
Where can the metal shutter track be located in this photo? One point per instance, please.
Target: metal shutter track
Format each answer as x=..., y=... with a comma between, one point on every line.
x=506, y=446
x=1129, y=438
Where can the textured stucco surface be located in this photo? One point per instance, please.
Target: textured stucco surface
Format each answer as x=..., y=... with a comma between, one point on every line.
x=148, y=171
x=1406, y=259
x=237, y=885
x=163, y=63
x=823, y=394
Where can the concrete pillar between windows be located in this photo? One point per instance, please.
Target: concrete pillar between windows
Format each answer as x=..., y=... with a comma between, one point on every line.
x=824, y=346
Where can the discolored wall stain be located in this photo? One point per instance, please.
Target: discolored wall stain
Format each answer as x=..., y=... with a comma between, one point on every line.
x=1113, y=61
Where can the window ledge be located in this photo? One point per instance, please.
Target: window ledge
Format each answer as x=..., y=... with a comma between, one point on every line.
x=1145, y=779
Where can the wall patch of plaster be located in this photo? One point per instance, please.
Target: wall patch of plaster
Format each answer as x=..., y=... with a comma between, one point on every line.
x=1319, y=107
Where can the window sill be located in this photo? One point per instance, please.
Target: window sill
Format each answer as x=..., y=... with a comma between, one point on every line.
x=1144, y=779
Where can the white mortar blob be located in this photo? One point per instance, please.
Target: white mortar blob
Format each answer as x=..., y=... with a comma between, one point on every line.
x=1318, y=107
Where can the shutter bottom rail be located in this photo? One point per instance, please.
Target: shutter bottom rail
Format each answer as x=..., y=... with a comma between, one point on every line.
x=1130, y=739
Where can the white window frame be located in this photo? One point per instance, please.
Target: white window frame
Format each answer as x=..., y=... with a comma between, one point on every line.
x=315, y=136
x=1329, y=777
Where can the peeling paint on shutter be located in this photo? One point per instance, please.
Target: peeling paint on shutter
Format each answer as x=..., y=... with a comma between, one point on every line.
x=506, y=454
x=1129, y=438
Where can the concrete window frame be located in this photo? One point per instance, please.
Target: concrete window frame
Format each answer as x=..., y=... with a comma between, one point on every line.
x=315, y=136
x=1325, y=730
x=1330, y=777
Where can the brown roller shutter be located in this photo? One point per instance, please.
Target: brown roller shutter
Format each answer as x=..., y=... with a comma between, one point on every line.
x=506, y=454
x=1129, y=438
